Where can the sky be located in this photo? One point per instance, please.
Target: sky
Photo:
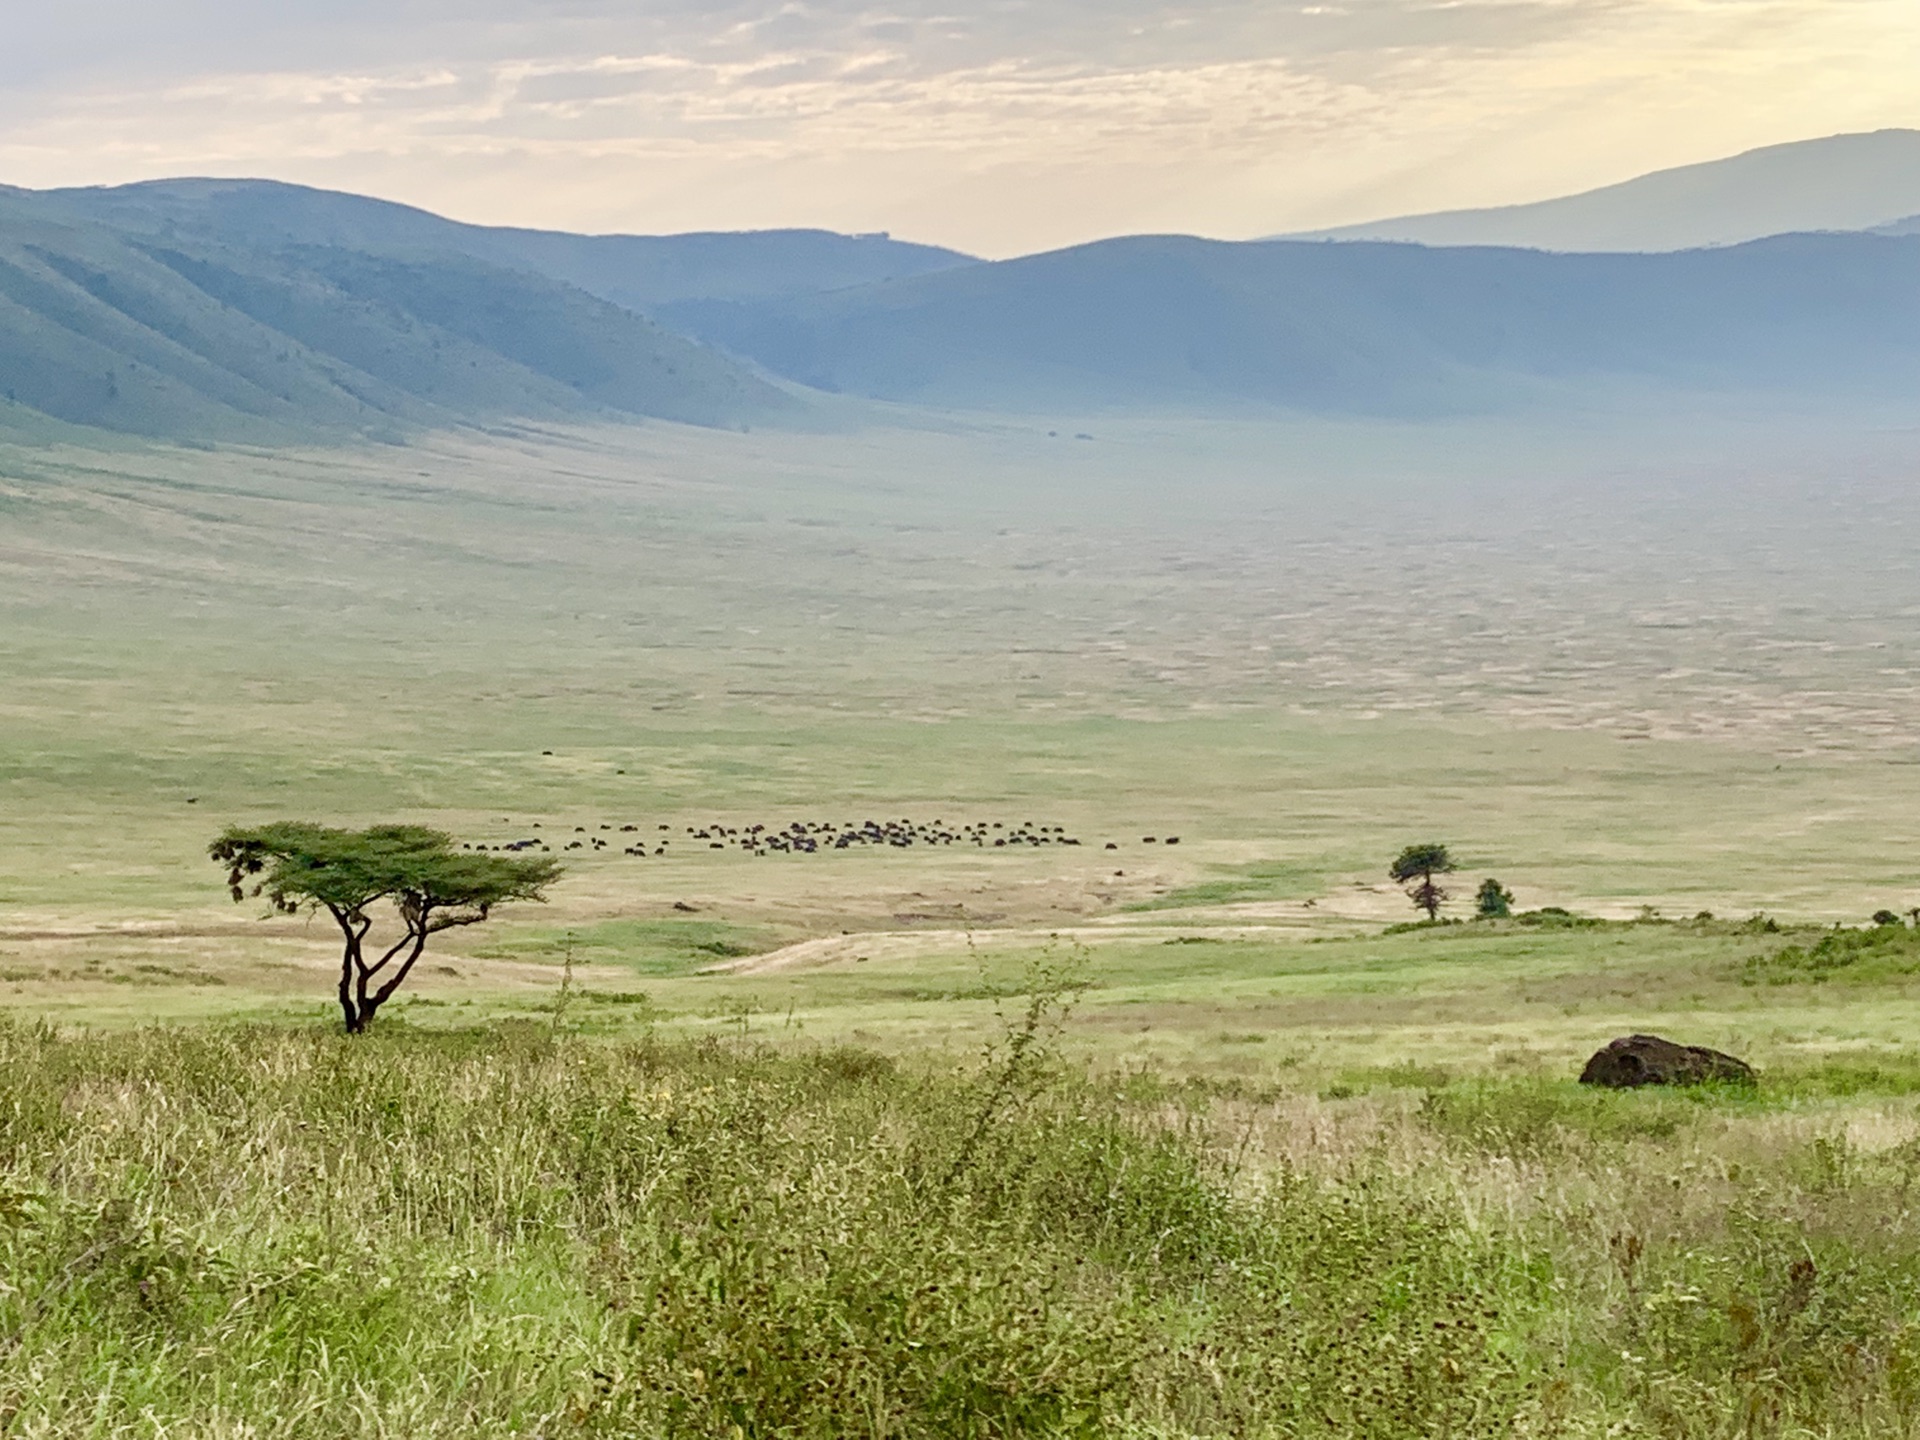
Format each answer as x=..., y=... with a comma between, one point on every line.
x=999, y=127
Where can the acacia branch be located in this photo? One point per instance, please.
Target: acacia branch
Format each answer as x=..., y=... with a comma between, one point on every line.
x=420, y=924
x=354, y=923
x=459, y=917
x=381, y=995
x=413, y=937
x=346, y=918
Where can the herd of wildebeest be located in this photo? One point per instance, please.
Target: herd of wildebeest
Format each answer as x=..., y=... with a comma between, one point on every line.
x=810, y=837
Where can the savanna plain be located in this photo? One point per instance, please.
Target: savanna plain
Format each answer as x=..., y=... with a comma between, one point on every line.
x=1127, y=1098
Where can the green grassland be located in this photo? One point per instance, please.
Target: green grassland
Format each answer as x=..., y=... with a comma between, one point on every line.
x=1621, y=686
x=663, y=1155
x=519, y=1229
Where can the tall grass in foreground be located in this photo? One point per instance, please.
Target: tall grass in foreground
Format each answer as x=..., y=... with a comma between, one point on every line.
x=261, y=1232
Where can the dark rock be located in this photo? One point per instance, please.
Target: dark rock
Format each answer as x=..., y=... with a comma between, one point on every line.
x=1648, y=1060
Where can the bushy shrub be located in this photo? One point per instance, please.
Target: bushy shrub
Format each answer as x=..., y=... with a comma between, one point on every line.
x=1879, y=950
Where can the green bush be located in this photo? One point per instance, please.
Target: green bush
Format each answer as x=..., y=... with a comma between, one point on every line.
x=1878, y=952
x=1556, y=917
x=1536, y=1116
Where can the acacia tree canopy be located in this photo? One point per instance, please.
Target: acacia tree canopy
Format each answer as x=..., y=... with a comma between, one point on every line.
x=416, y=871
x=1421, y=863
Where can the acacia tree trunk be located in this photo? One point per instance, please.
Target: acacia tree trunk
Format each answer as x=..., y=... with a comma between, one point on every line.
x=353, y=926
x=359, y=998
x=347, y=1009
x=357, y=1003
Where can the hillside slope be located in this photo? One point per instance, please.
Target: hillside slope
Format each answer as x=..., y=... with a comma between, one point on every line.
x=1841, y=182
x=635, y=271
x=1358, y=327
x=194, y=341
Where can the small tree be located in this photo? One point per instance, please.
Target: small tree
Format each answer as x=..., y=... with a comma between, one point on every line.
x=1494, y=901
x=1421, y=863
x=430, y=887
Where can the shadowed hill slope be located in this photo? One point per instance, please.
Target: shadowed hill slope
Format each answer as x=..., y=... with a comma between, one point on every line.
x=188, y=340
x=1840, y=182
x=636, y=271
x=1353, y=327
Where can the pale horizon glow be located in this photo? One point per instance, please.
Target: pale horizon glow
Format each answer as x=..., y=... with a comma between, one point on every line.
x=997, y=129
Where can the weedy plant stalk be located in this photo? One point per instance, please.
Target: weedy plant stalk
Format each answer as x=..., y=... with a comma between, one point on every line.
x=565, y=993
x=1025, y=1049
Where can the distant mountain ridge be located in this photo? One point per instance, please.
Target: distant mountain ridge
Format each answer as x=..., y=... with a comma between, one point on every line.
x=1360, y=328
x=217, y=310
x=635, y=271
x=1840, y=182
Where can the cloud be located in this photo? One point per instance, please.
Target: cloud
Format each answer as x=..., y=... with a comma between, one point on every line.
x=1001, y=126
x=127, y=40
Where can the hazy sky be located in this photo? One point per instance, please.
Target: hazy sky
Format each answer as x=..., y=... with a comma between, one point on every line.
x=995, y=125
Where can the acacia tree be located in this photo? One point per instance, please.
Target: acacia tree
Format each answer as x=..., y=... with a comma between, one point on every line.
x=1422, y=863
x=415, y=871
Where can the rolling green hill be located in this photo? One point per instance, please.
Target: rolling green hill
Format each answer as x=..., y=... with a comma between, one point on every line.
x=186, y=339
